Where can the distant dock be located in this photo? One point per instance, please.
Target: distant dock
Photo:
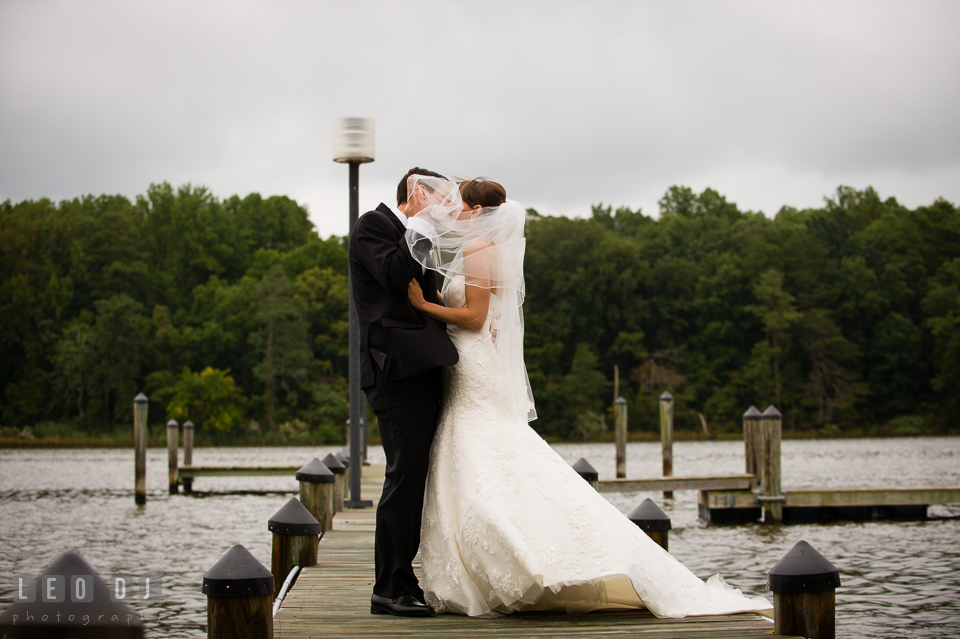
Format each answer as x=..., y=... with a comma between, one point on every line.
x=725, y=499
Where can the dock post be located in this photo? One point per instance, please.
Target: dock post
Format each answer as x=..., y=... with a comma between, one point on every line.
x=620, y=430
x=140, y=406
x=752, y=443
x=295, y=540
x=68, y=600
x=340, y=476
x=804, y=586
x=588, y=472
x=188, y=454
x=316, y=492
x=173, y=437
x=653, y=521
x=239, y=592
x=770, y=425
x=343, y=456
x=666, y=436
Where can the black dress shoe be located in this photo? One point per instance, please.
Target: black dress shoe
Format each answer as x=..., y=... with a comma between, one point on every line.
x=404, y=606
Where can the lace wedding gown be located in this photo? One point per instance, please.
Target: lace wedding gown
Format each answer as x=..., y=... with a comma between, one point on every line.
x=509, y=525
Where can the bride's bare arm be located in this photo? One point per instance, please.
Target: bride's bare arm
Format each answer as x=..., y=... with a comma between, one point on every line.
x=473, y=315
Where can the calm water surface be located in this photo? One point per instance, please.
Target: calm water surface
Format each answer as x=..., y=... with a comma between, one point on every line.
x=900, y=579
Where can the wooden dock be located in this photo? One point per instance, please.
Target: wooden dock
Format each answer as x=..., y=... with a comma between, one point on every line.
x=723, y=499
x=332, y=599
x=811, y=505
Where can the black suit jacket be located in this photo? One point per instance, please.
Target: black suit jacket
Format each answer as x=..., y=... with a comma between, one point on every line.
x=394, y=337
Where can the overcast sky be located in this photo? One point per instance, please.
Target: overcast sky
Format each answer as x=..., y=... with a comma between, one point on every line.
x=567, y=104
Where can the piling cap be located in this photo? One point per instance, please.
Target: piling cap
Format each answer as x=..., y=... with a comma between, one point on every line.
x=188, y=424
x=752, y=413
x=99, y=611
x=237, y=574
x=666, y=397
x=588, y=472
x=315, y=472
x=344, y=456
x=293, y=519
x=803, y=569
x=771, y=413
x=331, y=462
x=648, y=516
x=620, y=400
x=141, y=399
x=173, y=424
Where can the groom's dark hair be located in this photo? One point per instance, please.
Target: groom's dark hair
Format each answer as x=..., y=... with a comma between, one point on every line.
x=402, y=187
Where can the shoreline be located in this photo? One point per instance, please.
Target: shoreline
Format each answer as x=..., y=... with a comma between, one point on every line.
x=160, y=442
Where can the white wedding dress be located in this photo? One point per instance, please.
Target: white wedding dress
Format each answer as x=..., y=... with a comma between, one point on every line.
x=509, y=525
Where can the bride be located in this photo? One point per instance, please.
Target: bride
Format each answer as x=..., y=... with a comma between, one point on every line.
x=507, y=524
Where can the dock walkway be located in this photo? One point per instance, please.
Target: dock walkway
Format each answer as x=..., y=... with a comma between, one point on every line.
x=332, y=599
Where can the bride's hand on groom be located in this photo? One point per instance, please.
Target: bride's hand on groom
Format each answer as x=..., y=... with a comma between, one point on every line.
x=415, y=295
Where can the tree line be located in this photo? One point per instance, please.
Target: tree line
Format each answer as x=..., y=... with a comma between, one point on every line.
x=233, y=313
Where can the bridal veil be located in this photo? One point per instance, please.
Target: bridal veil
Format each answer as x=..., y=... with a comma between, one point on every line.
x=483, y=248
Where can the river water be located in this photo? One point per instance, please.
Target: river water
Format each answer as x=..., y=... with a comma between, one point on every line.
x=899, y=579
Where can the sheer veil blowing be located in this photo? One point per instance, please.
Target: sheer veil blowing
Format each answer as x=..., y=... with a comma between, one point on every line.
x=483, y=248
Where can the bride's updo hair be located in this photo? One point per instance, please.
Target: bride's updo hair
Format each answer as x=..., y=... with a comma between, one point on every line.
x=483, y=192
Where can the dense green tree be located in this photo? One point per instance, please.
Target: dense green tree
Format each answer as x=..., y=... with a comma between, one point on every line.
x=209, y=398
x=847, y=316
x=117, y=339
x=281, y=340
x=74, y=362
x=777, y=313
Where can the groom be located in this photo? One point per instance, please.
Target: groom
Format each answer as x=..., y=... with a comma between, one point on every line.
x=401, y=355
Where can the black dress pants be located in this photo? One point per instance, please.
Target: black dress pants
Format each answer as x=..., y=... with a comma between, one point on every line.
x=407, y=411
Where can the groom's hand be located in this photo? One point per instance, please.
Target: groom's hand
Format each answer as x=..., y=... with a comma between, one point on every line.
x=416, y=200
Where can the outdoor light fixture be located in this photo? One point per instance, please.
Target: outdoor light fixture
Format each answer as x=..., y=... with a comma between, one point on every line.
x=353, y=141
x=353, y=145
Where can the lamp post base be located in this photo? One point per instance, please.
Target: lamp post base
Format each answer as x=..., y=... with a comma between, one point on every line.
x=357, y=503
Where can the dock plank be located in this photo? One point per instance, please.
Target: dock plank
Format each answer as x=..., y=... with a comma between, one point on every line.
x=332, y=599
x=889, y=496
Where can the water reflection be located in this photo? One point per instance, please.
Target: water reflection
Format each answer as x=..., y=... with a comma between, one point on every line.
x=900, y=579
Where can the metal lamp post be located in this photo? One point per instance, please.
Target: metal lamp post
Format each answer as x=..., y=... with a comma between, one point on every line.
x=353, y=144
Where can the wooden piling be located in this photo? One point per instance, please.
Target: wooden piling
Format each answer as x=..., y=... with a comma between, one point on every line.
x=173, y=437
x=666, y=436
x=316, y=492
x=588, y=472
x=340, y=472
x=752, y=444
x=140, y=406
x=804, y=587
x=814, y=612
x=652, y=521
x=187, y=454
x=770, y=426
x=295, y=540
x=239, y=592
x=343, y=456
x=620, y=428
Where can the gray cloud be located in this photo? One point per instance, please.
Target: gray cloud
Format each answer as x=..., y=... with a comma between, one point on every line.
x=566, y=104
